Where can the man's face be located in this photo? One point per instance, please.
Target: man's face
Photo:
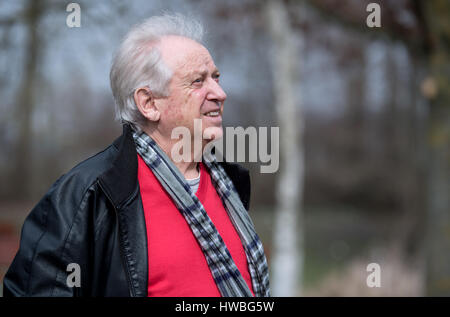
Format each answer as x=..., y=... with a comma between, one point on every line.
x=194, y=89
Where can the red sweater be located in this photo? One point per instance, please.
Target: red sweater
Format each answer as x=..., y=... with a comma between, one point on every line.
x=176, y=264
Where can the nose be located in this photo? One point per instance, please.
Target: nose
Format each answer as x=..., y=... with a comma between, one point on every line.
x=216, y=92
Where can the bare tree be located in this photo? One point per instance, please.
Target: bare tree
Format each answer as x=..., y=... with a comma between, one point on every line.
x=288, y=238
x=25, y=97
x=31, y=91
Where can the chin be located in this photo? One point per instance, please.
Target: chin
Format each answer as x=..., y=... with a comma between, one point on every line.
x=212, y=133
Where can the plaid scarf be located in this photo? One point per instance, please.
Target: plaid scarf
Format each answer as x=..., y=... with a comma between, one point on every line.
x=224, y=271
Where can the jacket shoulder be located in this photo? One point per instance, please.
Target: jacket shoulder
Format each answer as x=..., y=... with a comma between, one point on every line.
x=87, y=171
x=240, y=177
x=73, y=185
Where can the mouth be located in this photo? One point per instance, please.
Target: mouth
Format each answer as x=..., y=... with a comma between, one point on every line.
x=215, y=113
x=213, y=117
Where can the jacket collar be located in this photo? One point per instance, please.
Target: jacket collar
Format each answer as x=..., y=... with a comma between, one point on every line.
x=120, y=181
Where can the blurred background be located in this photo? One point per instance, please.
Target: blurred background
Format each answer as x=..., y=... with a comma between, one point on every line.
x=364, y=117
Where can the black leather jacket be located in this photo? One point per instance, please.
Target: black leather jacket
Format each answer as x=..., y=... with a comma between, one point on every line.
x=92, y=216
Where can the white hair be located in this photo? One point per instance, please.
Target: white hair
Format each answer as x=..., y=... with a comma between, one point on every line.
x=138, y=62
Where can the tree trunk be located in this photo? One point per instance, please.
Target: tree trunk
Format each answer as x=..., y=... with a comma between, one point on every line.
x=288, y=235
x=25, y=102
x=438, y=90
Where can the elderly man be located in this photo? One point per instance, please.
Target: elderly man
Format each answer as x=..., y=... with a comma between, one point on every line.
x=134, y=221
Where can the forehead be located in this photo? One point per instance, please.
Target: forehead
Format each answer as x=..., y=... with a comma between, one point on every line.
x=184, y=55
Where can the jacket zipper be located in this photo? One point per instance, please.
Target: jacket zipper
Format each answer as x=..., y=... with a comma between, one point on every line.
x=121, y=242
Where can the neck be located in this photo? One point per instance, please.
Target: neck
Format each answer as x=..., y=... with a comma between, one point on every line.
x=188, y=169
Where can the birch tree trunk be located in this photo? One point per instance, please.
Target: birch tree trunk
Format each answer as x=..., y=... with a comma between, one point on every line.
x=287, y=261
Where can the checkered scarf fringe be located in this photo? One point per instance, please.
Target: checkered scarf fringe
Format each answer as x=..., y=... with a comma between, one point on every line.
x=224, y=271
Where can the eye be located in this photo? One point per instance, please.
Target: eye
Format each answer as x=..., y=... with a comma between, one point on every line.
x=198, y=81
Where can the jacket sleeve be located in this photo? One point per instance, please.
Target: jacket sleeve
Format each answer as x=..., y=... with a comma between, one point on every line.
x=51, y=239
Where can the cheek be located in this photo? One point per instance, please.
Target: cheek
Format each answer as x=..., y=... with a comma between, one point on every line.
x=173, y=112
x=181, y=111
x=192, y=104
x=198, y=96
x=176, y=116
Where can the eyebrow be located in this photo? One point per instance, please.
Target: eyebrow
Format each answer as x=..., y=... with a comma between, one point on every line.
x=201, y=73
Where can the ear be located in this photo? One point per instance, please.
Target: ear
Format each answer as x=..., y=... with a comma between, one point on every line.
x=145, y=102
